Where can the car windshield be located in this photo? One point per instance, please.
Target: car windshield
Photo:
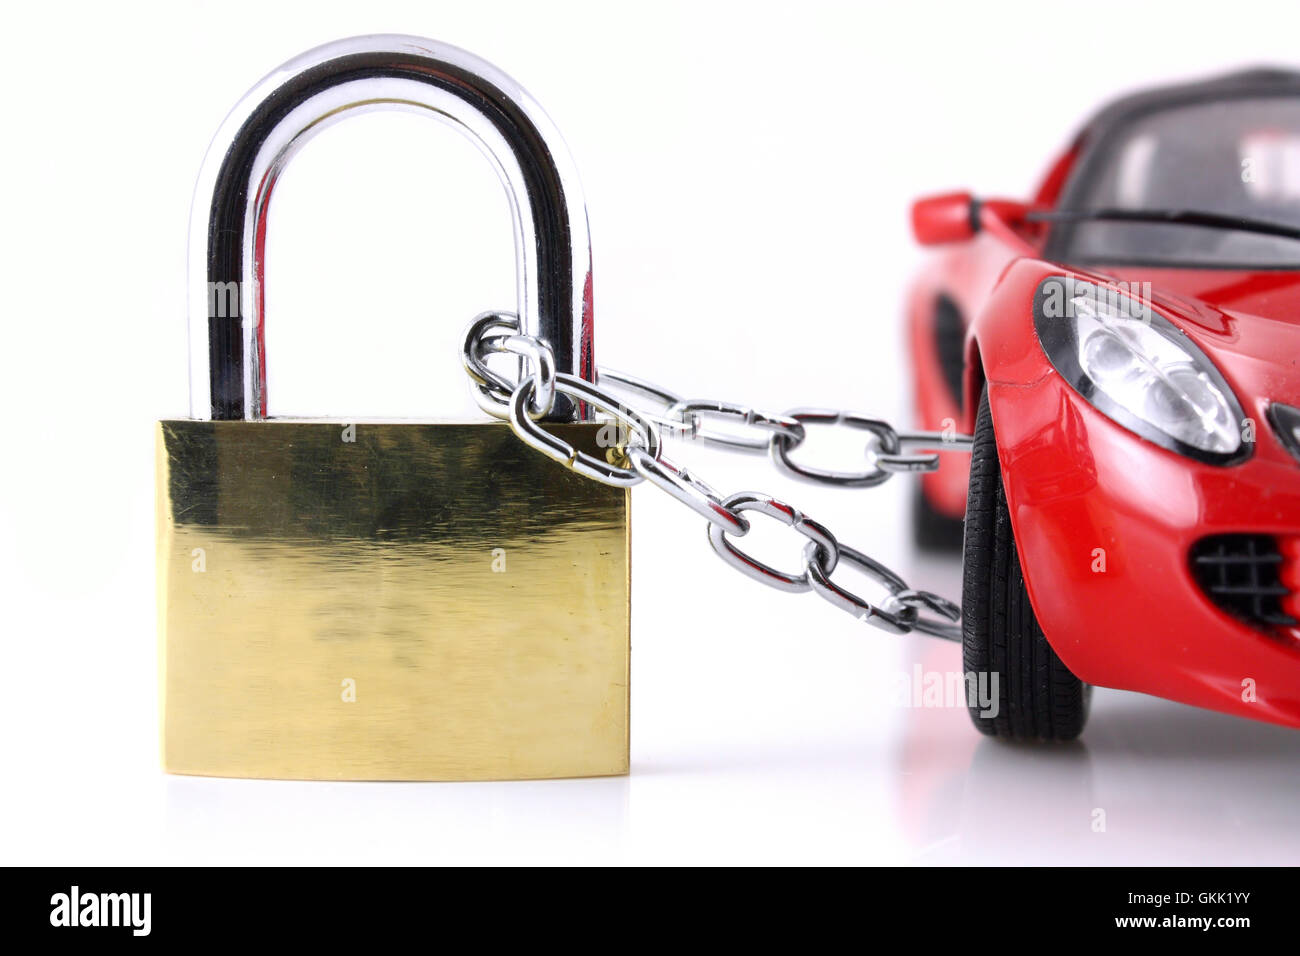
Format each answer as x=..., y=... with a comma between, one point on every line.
x=1234, y=157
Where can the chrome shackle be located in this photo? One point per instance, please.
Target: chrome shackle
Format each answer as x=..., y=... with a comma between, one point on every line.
x=299, y=99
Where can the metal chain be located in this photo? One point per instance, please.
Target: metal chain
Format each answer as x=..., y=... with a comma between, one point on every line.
x=636, y=455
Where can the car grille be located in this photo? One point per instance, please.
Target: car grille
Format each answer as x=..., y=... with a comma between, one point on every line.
x=1246, y=575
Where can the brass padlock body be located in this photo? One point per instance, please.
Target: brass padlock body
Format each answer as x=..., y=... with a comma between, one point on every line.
x=388, y=601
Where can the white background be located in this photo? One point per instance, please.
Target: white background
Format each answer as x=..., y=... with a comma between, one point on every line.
x=748, y=170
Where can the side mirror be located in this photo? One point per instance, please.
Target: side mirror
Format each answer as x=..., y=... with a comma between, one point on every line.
x=950, y=217
x=956, y=217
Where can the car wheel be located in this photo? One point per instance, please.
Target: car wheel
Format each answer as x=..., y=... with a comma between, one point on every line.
x=933, y=530
x=1036, y=696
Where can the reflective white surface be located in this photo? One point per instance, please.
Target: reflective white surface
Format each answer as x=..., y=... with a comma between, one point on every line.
x=765, y=729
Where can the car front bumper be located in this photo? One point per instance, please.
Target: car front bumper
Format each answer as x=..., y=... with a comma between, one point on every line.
x=1105, y=523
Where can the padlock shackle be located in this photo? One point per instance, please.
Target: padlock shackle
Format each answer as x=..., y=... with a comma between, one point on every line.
x=293, y=103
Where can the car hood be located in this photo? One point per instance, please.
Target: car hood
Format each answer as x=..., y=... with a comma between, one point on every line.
x=1247, y=322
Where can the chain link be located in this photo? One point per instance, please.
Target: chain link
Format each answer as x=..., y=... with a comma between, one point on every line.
x=819, y=538
x=635, y=455
x=685, y=428
x=882, y=436
x=629, y=423
x=672, y=478
x=767, y=428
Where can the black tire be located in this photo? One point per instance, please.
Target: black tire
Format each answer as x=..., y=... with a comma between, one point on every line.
x=932, y=530
x=1037, y=696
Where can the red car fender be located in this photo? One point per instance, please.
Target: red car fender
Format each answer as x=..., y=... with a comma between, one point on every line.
x=1104, y=522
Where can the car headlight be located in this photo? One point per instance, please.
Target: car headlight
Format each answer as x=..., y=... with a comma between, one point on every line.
x=1286, y=422
x=1139, y=369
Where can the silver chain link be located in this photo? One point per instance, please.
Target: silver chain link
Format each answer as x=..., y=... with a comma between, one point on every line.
x=637, y=455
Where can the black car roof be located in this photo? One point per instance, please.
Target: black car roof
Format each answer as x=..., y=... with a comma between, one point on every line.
x=1113, y=118
x=1261, y=81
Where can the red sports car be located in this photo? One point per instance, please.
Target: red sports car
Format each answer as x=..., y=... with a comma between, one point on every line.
x=1125, y=348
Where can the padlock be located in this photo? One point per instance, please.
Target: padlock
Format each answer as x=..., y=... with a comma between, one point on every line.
x=346, y=600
